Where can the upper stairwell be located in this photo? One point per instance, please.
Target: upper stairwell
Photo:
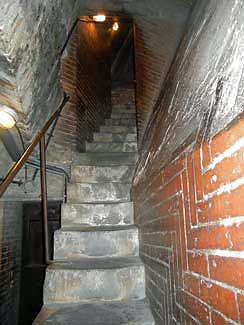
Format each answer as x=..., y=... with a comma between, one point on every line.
x=97, y=276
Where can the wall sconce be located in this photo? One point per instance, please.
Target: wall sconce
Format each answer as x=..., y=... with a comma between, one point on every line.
x=115, y=26
x=99, y=18
x=8, y=117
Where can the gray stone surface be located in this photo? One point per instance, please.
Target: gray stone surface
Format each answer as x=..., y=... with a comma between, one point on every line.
x=114, y=137
x=122, y=115
x=111, y=147
x=123, y=109
x=116, y=241
x=97, y=214
x=106, y=159
x=31, y=37
x=96, y=251
x=118, y=129
x=121, y=122
x=98, y=174
x=117, y=313
x=98, y=192
x=95, y=280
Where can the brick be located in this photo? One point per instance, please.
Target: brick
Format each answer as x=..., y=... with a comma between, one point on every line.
x=218, y=237
x=217, y=319
x=198, y=175
x=219, y=298
x=227, y=138
x=196, y=308
x=192, y=193
x=173, y=169
x=228, y=270
x=192, y=284
x=223, y=206
x=198, y=263
x=218, y=176
x=240, y=299
x=206, y=154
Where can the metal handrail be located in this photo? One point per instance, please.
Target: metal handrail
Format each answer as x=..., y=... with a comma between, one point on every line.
x=23, y=159
x=38, y=139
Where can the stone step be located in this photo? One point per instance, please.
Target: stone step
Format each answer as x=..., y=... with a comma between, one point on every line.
x=106, y=159
x=98, y=193
x=95, y=279
x=120, y=122
x=97, y=214
x=119, y=115
x=111, y=147
x=123, y=108
x=100, y=241
x=114, y=137
x=118, y=129
x=133, y=312
x=98, y=174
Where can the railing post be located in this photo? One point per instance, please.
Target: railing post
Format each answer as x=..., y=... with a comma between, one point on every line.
x=44, y=198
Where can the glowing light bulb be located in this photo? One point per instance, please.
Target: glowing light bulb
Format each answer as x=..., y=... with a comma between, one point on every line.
x=99, y=18
x=115, y=26
x=8, y=117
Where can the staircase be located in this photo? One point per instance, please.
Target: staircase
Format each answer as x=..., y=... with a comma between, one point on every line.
x=98, y=276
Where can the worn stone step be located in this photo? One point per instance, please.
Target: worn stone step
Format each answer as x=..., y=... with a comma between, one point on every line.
x=120, y=122
x=106, y=159
x=99, y=192
x=95, y=279
x=114, y=137
x=98, y=174
x=133, y=312
x=119, y=115
x=100, y=241
x=111, y=147
x=97, y=214
x=118, y=129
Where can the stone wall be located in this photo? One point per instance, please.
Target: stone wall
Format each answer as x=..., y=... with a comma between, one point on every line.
x=31, y=37
x=10, y=261
x=188, y=187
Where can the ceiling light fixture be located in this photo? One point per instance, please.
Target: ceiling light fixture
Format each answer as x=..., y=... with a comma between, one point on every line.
x=115, y=26
x=99, y=18
x=8, y=117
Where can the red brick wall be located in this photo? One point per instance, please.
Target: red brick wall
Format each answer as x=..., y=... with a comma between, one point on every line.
x=191, y=220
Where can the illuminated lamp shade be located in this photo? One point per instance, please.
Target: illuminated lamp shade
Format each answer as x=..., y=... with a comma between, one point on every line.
x=99, y=18
x=8, y=117
x=115, y=26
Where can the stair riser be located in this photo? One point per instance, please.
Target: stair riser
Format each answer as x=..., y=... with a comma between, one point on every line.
x=96, y=174
x=118, y=129
x=120, y=122
x=106, y=159
x=111, y=147
x=123, y=108
x=119, y=137
x=74, y=286
x=123, y=115
x=71, y=244
x=101, y=192
x=99, y=214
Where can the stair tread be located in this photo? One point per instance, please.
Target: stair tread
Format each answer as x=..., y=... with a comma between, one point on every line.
x=132, y=312
x=97, y=263
x=98, y=228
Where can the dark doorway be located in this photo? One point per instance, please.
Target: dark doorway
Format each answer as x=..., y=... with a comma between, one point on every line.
x=33, y=263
